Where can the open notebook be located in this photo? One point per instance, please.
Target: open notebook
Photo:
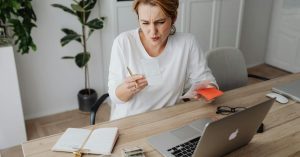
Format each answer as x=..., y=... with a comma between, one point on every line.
x=101, y=141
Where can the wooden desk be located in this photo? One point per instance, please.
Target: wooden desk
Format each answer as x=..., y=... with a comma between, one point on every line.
x=281, y=136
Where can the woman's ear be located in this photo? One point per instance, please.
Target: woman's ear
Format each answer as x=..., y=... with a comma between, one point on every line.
x=174, y=20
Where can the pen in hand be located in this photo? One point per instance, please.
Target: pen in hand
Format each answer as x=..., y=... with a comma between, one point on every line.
x=131, y=74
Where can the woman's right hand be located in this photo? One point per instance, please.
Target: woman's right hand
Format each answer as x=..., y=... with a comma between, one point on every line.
x=131, y=86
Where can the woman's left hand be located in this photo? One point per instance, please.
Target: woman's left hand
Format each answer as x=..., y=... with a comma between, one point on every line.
x=203, y=85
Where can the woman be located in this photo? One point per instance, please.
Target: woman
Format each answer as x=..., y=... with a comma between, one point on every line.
x=152, y=66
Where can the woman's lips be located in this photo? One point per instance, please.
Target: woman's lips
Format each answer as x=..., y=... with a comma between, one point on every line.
x=155, y=38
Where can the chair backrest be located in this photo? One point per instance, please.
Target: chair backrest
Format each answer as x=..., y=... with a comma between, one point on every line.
x=228, y=66
x=96, y=106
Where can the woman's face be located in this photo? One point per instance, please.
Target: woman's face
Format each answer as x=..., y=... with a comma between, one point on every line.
x=155, y=25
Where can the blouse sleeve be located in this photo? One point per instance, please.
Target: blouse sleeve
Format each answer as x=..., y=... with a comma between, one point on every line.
x=116, y=72
x=197, y=67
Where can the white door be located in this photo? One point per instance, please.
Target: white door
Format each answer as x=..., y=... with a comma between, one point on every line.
x=284, y=38
x=216, y=23
x=126, y=19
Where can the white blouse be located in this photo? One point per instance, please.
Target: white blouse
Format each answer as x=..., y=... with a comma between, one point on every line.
x=181, y=64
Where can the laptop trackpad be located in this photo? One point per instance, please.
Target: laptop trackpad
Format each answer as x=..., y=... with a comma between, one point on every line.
x=185, y=132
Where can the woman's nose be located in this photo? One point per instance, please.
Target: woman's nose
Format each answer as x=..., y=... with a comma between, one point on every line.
x=152, y=29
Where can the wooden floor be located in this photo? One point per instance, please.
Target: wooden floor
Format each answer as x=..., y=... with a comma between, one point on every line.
x=266, y=71
x=57, y=123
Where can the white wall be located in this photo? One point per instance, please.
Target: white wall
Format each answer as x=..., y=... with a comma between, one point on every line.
x=255, y=29
x=48, y=83
x=107, y=35
x=284, y=37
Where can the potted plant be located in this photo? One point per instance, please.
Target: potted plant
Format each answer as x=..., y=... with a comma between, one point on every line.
x=82, y=10
x=19, y=16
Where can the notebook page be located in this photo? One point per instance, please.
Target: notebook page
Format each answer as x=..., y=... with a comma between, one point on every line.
x=102, y=141
x=71, y=140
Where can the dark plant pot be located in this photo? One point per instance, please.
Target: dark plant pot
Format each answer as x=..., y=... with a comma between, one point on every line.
x=86, y=99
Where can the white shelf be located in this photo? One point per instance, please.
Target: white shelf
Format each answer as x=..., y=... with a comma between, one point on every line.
x=12, y=128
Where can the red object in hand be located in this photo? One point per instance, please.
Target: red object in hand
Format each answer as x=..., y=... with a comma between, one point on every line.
x=209, y=93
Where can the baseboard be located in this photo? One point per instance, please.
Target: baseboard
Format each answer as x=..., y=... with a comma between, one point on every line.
x=254, y=64
x=53, y=110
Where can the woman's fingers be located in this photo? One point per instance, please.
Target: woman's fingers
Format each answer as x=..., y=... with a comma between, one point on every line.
x=135, y=83
x=134, y=78
x=140, y=80
x=198, y=97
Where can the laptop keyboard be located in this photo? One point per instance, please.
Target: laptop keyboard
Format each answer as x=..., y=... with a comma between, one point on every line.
x=186, y=149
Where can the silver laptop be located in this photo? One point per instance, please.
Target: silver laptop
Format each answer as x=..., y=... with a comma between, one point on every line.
x=204, y=138
x=291, y=90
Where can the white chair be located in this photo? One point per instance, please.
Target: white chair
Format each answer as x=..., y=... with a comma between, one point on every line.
x=228, y=66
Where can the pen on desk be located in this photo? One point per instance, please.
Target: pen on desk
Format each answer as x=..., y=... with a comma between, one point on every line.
x=131, y=74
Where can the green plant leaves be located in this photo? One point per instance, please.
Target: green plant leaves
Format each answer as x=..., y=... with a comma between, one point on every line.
x=22, y=35
x=66, y=9
x=77, y=7
x=95, y=24
x=88, y=5
x=70, y=36
x=81, y=59
x=19, y=15
x=91, y=32
x=68, y=57
x=82, y=9
x=26, y=11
